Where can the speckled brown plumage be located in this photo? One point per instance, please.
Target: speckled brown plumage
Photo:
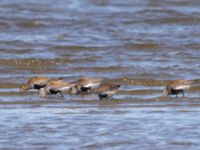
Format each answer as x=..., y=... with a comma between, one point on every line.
x=85, y=85
x=177, y=87
x=55, y=87
x=36, y=82
x=107, y=90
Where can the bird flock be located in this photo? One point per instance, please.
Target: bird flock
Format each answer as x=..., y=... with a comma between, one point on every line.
x=86, y=85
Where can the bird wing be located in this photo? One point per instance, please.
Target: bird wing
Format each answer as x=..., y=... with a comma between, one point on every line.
x=110, y=92
x=181, y=84
x=92, y=85
x=41, y=81
x=65, y=88
x=182, y=87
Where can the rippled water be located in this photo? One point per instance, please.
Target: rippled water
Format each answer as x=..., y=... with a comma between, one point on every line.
x=141, y=44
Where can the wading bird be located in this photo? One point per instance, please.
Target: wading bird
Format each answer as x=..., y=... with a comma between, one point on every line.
x=85, y=85
x=55, y=87
x=177, y=86
x=107, y=90
x=36, y=82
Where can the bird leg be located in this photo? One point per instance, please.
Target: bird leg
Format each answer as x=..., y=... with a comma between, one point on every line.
x=60, y=94
x=42, y=92
x=183, y=93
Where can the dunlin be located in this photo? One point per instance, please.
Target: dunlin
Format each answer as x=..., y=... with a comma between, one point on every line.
x=55, y=87
x=107, y=90
x=177, y=86
x=85, y=85
x=34, y=83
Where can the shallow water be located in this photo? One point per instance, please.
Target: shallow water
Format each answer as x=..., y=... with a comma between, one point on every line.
x=140, y=44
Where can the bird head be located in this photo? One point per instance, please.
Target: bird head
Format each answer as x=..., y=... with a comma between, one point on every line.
x=23, y=87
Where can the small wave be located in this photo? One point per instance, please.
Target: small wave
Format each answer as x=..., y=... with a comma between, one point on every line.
x=30, y=24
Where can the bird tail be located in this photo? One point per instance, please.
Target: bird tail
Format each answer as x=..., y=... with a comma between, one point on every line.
x=56, y=79
x=115, y=86
x=186, y=84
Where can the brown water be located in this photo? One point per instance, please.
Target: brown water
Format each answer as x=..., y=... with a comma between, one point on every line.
x=141, y=44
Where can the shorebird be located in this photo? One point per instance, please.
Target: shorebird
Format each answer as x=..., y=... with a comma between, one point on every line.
x=36, y=82
x=85, y=85
x=107, y=90
x=177, y=86
x=55, y=87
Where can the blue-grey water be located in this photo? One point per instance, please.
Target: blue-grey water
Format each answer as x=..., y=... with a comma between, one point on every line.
x=141, y=44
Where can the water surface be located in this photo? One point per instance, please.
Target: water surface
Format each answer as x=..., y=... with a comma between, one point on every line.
x=140, y=44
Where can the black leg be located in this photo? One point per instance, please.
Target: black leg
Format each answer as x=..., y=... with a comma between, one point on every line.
x=60, y=94
x=183, y=93
x=109, y=97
